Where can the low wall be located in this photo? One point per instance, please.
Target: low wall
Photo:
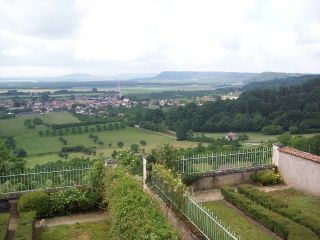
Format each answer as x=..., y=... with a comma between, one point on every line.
x=218, y=179
x=300, y=170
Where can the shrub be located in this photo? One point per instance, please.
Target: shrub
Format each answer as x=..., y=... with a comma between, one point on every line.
x=130, y=160
x=280, y=225
x=260, y=197
x=35, y=201
x=25, y=226
x=70, y=200
x=272, y=130
x=266, y=177
x=4, y=222
x=134, y=214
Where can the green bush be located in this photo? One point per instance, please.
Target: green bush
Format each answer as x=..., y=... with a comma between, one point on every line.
x=25, y=226
x=35, y=201
x=272, y=130
x=266, y=177
x=281, y=207
x=260, y=197
x=70, y=200
x=280, y=225
x=4, y=222
x=134, y=214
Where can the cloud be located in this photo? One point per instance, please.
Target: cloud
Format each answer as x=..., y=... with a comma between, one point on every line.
x=117, y=36
x=40, y=18
x=18, y=51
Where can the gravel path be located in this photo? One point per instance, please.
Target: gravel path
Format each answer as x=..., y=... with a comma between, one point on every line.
x=207, y=196
x=73, y=219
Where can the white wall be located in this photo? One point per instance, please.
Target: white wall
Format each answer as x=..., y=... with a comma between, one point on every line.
x=297, y=172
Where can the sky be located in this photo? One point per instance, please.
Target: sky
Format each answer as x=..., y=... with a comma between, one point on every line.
x=111, y=37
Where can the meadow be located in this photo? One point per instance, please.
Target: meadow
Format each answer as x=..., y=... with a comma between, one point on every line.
x=45, y=149
x=254, y=137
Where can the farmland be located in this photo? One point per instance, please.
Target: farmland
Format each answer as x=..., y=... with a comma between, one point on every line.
x=44, y=149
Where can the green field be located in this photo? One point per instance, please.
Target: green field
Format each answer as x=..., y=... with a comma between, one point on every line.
x=238, y=222
x=79, y=231
x=254, y=137
x=45, y=149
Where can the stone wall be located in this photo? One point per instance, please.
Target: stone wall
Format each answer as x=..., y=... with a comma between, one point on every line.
x=216, y=180
x=298, y=169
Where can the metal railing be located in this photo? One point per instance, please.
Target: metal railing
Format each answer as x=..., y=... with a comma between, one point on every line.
x=225, y=161
x=19, y=182
x=202, y=218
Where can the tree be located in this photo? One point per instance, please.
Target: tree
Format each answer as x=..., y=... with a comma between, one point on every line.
x=272, y=130
x=40, y=133
x=10, y=143
x=120, y=144
x=182, y=130
x=134, y=148
x=143, y=142
x=284, y=138
x=21, y=153
x=9, y=162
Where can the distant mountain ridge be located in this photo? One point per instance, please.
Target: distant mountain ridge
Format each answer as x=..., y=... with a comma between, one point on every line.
x=280, y=82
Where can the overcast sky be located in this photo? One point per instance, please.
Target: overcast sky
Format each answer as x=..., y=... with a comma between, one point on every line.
x=109, y=37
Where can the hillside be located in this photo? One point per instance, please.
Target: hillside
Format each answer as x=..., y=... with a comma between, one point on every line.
x=279, y=82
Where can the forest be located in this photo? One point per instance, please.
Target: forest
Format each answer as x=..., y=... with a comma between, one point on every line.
x=272, y=111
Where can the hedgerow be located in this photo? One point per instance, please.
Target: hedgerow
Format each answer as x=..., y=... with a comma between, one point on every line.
x=38, y=201
x=284, y=227
x=25, y=226
x=260, y=197
x=134, y=214
x=4, y=222
x=281, y=207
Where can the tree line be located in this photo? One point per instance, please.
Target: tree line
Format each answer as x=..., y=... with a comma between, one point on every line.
x=272, y=111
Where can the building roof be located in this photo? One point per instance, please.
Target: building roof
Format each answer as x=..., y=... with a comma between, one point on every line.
x=301, y=154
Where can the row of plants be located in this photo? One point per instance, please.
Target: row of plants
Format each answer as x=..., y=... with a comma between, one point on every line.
x=135, y=215
x=4, y=223
x=25, y=225
x=83, y=123
x=282, y=226
x=281, y=207
x=80, y=130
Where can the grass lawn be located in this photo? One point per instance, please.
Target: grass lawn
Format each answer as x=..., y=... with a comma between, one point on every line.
x=300, y=201
x=80, y=231
x=238, y=222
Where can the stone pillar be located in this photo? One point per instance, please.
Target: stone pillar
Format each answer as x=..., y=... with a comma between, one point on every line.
x=275, y=153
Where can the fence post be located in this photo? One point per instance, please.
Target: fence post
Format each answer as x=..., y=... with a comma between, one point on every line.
x=144, y=161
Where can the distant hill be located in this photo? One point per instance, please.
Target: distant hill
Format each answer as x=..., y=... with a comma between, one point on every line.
x=279, y=82
x=223, y=76
x=214, y=76
x=267, y=76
